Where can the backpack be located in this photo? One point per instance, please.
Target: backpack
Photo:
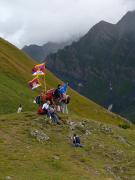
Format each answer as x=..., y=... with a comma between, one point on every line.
x=40, y=111
x=49, y=94
x=38, y=99
x=57, y=94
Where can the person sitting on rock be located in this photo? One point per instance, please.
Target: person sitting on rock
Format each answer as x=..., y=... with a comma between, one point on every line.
x=54, y=115
x=46, y=110
x=76, y=141
x=50, y=111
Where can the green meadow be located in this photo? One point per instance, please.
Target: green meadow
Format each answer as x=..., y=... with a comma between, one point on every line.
x=108, y=139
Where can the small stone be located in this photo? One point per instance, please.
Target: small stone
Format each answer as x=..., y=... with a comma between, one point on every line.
x=88, y=132
x=8, y=178
x=40, y=136
x=56, y=157
x=106, y=129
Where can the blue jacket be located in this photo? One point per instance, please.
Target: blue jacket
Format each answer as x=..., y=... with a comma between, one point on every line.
x=64, y=88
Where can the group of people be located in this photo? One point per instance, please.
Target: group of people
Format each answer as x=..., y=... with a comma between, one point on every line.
x=53, y=101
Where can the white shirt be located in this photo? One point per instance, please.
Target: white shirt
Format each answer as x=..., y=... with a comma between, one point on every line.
x=19, y=110
x=45, y=106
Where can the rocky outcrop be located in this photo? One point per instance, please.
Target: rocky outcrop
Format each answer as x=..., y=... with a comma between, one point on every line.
x=39, y=135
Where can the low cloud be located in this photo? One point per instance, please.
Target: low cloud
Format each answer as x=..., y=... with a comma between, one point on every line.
x=27, y=22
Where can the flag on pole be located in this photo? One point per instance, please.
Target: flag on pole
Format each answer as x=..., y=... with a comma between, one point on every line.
x=34, y=83
x=38, y=69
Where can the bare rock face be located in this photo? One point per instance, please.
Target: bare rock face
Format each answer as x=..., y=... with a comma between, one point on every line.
x=39, y=135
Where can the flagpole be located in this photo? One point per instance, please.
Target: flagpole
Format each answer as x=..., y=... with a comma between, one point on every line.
x=44, y=84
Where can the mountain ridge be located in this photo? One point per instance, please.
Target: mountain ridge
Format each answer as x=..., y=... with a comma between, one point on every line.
x=102, y=57
x=40, y=52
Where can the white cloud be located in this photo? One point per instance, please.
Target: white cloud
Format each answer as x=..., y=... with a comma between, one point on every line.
x=25, y=22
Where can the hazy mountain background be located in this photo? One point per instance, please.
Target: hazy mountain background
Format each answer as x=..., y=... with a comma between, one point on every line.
x=39, y=53
x=101, y=65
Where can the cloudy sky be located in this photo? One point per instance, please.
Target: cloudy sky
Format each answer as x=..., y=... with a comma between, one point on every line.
x=24, y=22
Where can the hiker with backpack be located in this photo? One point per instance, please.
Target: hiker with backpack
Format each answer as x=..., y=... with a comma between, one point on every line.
x=76, y=141
x=57, y=96
x=40, y=99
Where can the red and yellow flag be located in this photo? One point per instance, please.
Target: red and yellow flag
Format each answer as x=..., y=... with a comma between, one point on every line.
x=34, y=83
x=38, y=69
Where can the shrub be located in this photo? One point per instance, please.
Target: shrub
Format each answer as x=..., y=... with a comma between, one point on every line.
x=124, y=126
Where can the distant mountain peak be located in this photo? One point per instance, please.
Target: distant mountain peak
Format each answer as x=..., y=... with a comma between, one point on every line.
x=102, y=30
x=102, y=24
x=39, y=53
x=127, y=24
x=127, y=17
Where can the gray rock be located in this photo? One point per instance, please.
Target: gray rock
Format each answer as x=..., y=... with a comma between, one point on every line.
x=39, y=135
x=88, y=132
x=56, y=157
x=73, y=125
x=8, y=178
x=105, y=129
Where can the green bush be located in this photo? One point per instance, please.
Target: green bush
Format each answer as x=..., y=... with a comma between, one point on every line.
x=124, y=126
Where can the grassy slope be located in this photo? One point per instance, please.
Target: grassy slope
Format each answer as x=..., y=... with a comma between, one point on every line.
x=23, y=157
x=106, y=156
x=15, y=72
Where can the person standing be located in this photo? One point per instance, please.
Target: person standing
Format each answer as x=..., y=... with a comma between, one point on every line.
x=65, y=101
x=57, y=97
